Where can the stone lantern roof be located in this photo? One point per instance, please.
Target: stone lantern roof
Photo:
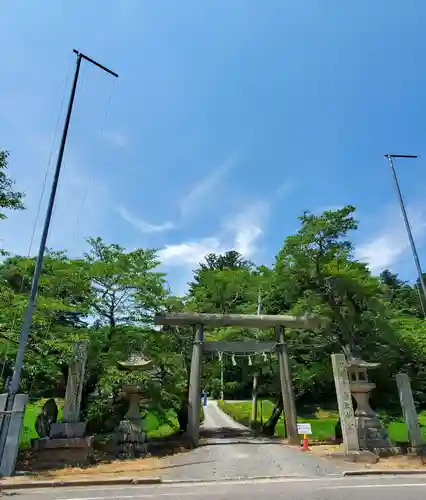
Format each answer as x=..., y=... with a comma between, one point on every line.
x=354, y=362
x=136, y=362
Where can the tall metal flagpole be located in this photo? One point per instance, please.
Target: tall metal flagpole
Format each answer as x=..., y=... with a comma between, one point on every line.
x=39, y=263
x=390, y=158
x=26, y=326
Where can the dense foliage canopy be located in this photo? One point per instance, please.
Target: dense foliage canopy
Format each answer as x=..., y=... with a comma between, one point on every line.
x=109, y=297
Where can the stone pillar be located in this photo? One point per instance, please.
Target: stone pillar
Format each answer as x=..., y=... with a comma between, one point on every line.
x=253, y=417
x=77, y=369
x=287, y=388
x=194, y=397
x=344, y=401
x=71, y=427
x=133, y=414
x=221, y=379
x=409, y=410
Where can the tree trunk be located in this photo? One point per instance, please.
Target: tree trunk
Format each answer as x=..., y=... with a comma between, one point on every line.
x=270, y=424
x=182, y=415
x=182, y=412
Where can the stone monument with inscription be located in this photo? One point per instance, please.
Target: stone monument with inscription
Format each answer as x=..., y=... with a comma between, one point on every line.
x=71, y=427
x=352, y=450
x=344, y=402
x=65, y=442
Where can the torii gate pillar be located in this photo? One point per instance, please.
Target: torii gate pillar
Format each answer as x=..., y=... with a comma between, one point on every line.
x=194, y=396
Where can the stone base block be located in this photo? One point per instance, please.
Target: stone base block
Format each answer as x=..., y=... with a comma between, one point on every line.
x=67, y=430
x=357, y=456
x=63, y=452
x=371, y=433
x=131, y=450
x=388, y=451
x=419, y=451
x=130, y=441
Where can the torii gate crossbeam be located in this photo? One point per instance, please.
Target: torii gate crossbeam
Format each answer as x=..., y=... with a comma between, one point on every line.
x=278, y=322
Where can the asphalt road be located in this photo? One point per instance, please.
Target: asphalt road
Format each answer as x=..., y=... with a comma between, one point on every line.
x=242, y=457
x=331, y=488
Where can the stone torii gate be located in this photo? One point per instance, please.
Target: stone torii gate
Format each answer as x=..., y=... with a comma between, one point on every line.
x=199, y=320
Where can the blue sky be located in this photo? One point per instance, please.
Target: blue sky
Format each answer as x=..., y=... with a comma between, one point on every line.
x=228, y=120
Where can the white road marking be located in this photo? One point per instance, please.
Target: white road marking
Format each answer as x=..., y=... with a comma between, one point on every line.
x=394, y=485
x=141, y=495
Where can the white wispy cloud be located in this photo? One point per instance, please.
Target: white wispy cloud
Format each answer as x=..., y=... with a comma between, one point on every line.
x=248, y=227
x=241, y=233
x=190, y=252
x=198, y=195
x=143, y=226
x=284, y=189
x=115, y=138
x=391, y=243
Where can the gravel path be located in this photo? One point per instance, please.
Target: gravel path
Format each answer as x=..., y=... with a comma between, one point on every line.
x=243, y=456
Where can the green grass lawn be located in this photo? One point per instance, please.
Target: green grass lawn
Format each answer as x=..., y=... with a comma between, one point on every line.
x=157, y=429
x=322, y=424
x=151, y=424
x=32, y=410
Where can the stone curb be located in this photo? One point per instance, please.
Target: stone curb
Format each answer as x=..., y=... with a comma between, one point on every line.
x=156, y=480
x=82, y=482
x=228, y=479
x=379, y=472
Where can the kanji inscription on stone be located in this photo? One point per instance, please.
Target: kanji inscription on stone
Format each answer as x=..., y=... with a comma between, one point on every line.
x=76, y=372
x=344, y=401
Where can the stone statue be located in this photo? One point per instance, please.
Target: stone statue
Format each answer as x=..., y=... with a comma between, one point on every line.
x=47, y=417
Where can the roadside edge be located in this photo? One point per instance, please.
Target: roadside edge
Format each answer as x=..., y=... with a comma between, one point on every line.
x=80, y=483
x=383, y=472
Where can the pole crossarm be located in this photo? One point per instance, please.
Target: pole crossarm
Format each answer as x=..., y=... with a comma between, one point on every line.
x=239, y=347
x=242, y=320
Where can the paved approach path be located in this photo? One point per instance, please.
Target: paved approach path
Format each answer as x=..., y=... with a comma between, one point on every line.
x=240, y=455
x=327, y=488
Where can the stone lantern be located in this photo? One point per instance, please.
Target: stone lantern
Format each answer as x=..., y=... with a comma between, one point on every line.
x=129, y=436
x=371, y=434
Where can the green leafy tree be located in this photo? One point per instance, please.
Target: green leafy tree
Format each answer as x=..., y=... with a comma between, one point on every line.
x=126, y=290
x=171, y=349
x=9, y=199
x=227, y=284
x=403, y=298
x=58, y=317
x=315, y=272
